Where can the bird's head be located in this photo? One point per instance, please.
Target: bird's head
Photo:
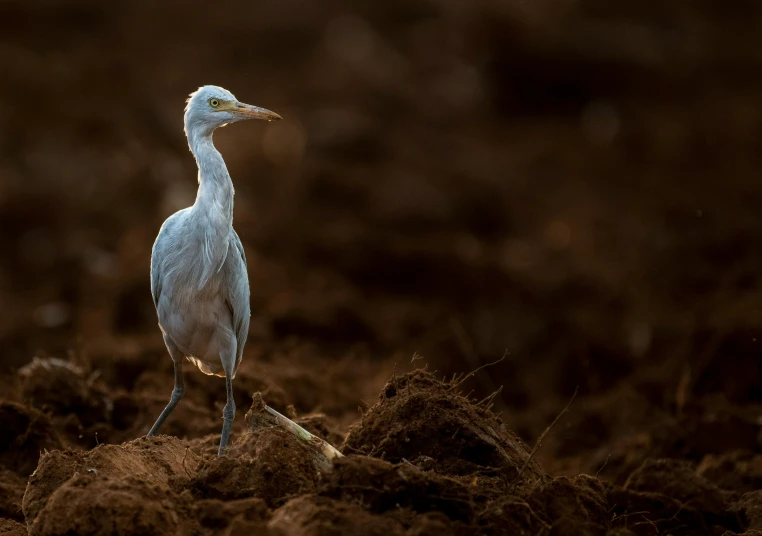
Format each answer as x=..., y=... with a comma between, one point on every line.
x=210, y=107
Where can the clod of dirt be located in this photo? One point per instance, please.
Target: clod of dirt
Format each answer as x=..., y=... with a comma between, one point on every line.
x=70, y=490
x=60, y=388
x=578, y=503
x=419, y=415
x=216, y=514
x=750, y=509
x=632, y=430
x=511, y=515
x=678, y=479
x=650, y=513
x=432, y=524
x=12, y=488
x=134, y=507
x=738, y=471
x=714, y=428
x=668, y=495
x=269, y=463
x=312, y=516
x=382, y=487
x=25, y=433
x=76, y=403
x=9, y=527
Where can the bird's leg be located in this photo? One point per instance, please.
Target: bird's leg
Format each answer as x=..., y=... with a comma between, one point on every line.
x=228, y=414
x=177, y=395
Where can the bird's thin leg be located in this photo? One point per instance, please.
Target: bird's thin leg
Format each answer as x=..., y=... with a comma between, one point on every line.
x=228, y=414
x=177, y=395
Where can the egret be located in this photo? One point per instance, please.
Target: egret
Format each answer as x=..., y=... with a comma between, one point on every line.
x=199, y=282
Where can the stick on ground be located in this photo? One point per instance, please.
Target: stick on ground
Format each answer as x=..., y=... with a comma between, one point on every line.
x=261, y=415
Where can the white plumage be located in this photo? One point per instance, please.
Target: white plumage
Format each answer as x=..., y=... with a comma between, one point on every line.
x=199, y=281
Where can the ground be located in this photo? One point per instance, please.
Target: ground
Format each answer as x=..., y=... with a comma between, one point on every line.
x=572, y=186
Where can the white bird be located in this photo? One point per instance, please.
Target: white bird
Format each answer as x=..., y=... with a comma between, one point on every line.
x=199, y=282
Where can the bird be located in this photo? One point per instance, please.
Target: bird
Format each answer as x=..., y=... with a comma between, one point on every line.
x=199, y=278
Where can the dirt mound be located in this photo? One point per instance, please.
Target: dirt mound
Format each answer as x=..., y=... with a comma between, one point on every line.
x=70, y=491
x=578, y=503
x=313, y=516
x=77, y=403
x=737, y=470
x=750, y=510
x=12, y=487
x=268, y=463
x=60, y=387
x=24, y=435
x=427, y=422
x=669, y=495
x=133, y=505
x=165, y=485
x=242, y=516
x=9, y=527
x=450, y=467
x=381, y=487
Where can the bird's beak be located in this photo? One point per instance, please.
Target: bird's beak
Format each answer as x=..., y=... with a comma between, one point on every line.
x=247, y=111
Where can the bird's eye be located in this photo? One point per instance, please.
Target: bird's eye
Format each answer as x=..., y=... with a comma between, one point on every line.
x=214, y=103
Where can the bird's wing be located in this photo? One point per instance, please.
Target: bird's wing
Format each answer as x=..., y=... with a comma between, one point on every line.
x=160, y=251
x=238, y=293
x=156, y=264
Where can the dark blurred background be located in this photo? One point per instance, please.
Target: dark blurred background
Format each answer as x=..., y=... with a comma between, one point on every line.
x=575, y=182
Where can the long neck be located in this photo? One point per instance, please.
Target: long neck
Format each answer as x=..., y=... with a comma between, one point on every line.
x=212, y=213
x=215, y=189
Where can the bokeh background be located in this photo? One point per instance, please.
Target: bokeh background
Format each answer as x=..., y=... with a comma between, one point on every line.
x=573, y=182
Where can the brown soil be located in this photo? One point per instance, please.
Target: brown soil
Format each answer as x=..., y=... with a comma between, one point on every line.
x=575, y=183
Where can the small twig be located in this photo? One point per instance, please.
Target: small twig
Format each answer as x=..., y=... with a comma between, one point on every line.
x=648, y=521
x=674, y=516
x=261, y=415
x=185, y=468
x=358, y=451
x=625, y=516
x=470, y=374
x=328, y=450
x=416, y=357
x=490, y=398
x=534, y=486
x=603, y=466
x=538, y=444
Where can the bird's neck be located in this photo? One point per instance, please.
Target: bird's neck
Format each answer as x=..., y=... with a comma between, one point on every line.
x=214, y=199
x=212, y=213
